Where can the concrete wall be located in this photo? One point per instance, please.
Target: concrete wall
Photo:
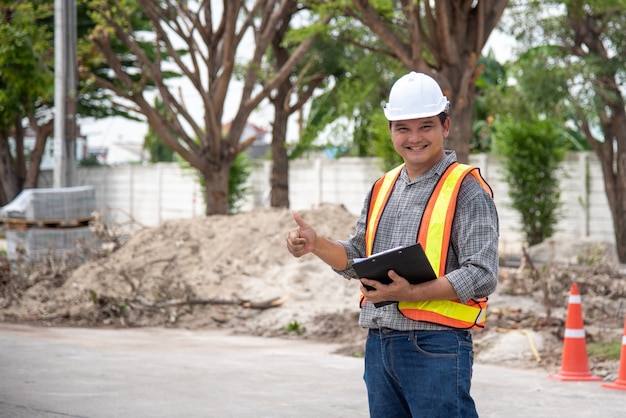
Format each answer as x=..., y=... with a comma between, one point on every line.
x=153, y=193
x=585, y=213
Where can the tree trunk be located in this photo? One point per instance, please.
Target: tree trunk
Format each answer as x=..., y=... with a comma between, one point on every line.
x=457, y=83
x=41, y=137
x=619, y=223
x=20, y=153
x=8, y=176
x=615, y=188
x=612, y=154
x=461, y=124
x=279, y=179
x=216, y=189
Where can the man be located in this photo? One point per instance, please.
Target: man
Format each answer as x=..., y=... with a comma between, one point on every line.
x=419, y=354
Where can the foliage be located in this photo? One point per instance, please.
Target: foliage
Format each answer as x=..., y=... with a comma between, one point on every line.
x=581, y=48
x=443, y=39
x=526, y=87
x=237, y=178
x=347, y=117
x=89, y=162
x=25, y=60
x=532, y=150
x=490, y=83
x=294, y=326
x=159, y=152
x=26, y=91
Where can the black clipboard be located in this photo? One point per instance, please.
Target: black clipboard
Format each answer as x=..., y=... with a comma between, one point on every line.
x=409, y=262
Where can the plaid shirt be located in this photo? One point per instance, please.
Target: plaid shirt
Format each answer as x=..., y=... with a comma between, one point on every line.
x=472, y=264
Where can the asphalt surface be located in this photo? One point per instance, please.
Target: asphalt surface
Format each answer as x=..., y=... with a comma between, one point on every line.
x=153, y=372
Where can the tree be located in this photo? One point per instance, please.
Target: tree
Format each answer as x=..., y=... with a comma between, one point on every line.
x=528, y=87
x=442, y=38
x=350, y=109
x=27, y=90
x=532, y=151
x=200, y=40
x=586, y=41
x=306, y=77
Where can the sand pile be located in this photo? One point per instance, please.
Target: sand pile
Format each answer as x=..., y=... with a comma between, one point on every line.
x=204, y=273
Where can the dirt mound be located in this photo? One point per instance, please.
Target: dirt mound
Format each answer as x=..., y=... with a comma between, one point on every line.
x=204, y=273
x=234, y=272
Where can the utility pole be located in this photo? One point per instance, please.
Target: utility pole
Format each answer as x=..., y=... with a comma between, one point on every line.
x=65, y=85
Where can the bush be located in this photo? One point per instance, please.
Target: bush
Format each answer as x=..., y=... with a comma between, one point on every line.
x=532, y=151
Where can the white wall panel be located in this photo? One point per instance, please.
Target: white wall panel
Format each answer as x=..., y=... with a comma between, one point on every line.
x=150, y=194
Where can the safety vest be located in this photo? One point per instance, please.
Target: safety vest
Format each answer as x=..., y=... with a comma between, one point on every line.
x=434, y=236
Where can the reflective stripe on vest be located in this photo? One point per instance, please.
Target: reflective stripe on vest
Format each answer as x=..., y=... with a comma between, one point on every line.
x=434, y=235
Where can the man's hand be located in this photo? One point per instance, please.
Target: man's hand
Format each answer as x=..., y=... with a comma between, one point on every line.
x=399, y=289
x=301, y=240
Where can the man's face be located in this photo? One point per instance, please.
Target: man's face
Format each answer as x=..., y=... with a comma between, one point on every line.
x=419, y=142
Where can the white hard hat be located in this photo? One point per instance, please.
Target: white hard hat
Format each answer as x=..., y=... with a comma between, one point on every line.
x=415, y=95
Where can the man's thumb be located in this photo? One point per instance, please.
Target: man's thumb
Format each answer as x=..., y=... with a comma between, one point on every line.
x=298, y=219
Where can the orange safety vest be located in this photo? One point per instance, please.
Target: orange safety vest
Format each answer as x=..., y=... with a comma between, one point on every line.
x=434, y=236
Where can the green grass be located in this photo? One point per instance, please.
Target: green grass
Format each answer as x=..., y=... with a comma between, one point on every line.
x=294, y=326
x=610, y=350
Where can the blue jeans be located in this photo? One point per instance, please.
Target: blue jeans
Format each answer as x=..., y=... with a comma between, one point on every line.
x=419, y=373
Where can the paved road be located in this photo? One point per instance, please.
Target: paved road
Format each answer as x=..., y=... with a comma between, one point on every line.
x=71, y=372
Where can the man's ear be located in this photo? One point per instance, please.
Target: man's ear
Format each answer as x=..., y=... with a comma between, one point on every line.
x=446, y=127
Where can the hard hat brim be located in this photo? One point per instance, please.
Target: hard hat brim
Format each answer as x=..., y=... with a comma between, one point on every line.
x=398, y=114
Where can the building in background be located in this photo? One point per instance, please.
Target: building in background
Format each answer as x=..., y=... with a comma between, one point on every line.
x=261, y=145
x=47, y=159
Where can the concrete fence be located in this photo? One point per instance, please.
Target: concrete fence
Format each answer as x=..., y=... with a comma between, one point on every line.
x=155, y=193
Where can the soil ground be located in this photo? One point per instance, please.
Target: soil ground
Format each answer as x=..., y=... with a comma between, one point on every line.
x=234, y=273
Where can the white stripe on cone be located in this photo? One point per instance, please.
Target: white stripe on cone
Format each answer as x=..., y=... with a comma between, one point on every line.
x=574, y=333
x=574, y=299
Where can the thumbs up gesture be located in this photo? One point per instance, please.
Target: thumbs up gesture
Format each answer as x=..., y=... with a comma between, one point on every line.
x=300, y=240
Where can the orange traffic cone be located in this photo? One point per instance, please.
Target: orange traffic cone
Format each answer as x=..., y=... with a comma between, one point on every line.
x=574, y=364
x=620, y=383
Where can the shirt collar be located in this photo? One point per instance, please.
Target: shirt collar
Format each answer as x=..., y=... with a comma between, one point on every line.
x=437, y=170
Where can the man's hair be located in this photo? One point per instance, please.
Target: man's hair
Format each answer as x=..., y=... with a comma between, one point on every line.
x=442, y=118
